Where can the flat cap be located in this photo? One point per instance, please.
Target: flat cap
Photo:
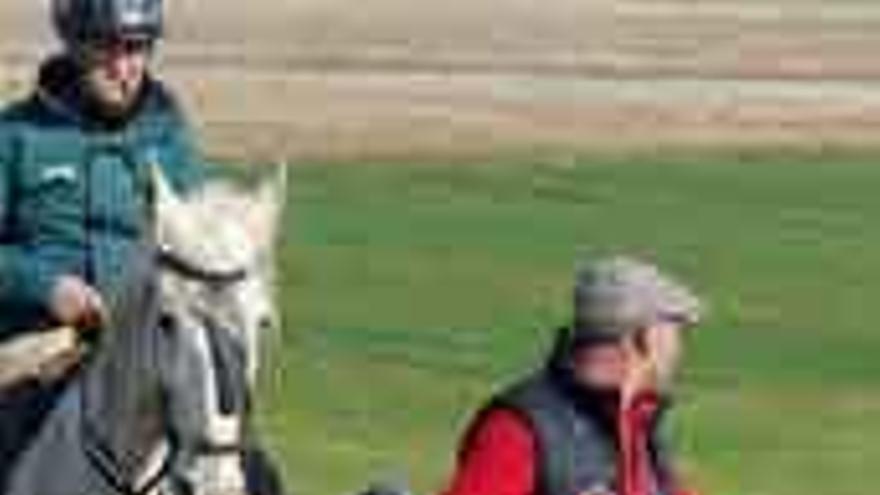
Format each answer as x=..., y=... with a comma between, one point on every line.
x=618, y=296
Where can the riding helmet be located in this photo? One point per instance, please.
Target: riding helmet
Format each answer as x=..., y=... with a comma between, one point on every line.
x=81, y=21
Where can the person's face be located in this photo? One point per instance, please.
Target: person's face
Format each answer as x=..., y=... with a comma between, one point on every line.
x=601, y=366
x=665, y=343
x=646, y=361
x=114, y=72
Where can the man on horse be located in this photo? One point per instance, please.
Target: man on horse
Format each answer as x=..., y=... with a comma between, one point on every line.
x=74, y=159
x=588, y=422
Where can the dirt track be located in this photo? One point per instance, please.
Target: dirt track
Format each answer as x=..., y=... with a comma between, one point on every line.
x=319, y=77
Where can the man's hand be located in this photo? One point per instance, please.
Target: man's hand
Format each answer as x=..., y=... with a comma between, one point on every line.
x=642, y=366
x=75, y=303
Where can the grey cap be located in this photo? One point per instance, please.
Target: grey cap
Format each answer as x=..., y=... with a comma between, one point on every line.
x=618, y=296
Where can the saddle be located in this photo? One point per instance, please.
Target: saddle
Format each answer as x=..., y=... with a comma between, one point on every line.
x=43, y=356
x=34, y=370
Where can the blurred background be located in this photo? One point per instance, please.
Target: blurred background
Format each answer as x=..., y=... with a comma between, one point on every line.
x=451, y=161
x=391, y=77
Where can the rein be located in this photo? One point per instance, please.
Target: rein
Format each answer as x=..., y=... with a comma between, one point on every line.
x=107, y=466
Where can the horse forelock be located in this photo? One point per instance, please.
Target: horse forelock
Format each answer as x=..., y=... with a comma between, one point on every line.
x=214, y=227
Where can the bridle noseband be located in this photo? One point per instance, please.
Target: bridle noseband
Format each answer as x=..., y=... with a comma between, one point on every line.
x=187, y=269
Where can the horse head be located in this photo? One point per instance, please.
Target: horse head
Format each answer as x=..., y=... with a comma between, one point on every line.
x=216, y=273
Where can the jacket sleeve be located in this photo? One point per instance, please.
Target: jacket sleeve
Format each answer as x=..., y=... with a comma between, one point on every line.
x=497, y=457
x=25, y=279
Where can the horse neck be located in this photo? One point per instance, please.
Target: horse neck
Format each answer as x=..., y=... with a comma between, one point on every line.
x=122, y=397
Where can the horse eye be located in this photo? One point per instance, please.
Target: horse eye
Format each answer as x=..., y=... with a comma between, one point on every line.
x=167, y=322
x=266, y=324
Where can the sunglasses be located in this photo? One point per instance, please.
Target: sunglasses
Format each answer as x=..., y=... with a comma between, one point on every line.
x=102, y=49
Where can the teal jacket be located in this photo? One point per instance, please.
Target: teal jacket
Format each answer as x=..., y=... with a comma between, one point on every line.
x=73, y=189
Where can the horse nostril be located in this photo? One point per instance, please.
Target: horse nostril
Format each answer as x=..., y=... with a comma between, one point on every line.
x=167, y=323
x=266, y=324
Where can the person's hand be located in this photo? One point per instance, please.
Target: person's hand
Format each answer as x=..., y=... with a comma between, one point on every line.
x=76, y=303
x=642, y=368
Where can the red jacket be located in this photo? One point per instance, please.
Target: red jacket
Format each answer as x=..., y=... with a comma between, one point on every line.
x=498, y=457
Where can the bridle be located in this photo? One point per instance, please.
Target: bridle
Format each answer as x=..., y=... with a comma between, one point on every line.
x=185, y=268
x=104, y=462
x=100, y=456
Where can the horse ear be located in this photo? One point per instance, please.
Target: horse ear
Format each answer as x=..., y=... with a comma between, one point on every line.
x=167, y=205
x=268, y=208
x=273, y=191
x=164, y=195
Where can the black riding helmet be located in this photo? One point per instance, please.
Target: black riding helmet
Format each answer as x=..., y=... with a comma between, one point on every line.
x=78, y=22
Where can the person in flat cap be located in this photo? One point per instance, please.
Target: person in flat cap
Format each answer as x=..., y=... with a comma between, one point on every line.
x=588, y=422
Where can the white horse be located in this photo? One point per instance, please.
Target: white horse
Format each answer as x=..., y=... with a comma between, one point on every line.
x=161, y=403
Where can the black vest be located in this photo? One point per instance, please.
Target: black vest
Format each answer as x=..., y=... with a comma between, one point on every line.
x=576, y=439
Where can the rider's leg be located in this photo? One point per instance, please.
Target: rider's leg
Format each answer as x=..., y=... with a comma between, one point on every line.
x=23, y=407
x=261, y=473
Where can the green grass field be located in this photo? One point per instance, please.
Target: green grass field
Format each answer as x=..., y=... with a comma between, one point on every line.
x=411, y=291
